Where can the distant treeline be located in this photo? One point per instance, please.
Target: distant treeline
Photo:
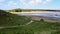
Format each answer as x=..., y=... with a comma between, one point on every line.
x=29, y=10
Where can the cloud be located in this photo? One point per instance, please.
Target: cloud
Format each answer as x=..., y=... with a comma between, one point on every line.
x=33, y=3
x=46, y=2
x=9, y=5
x=2, y=1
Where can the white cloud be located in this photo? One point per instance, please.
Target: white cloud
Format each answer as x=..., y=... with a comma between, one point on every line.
x=33, y=3
x=2, y=0
x=9, y=5
x=48, y=0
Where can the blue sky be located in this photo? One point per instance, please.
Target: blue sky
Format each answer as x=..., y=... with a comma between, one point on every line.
x=30, y=4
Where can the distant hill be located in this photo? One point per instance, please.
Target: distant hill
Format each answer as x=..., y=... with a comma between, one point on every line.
x=29, y=10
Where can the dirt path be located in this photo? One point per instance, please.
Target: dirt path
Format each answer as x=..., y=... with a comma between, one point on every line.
x=29, y=22
x=17, y=25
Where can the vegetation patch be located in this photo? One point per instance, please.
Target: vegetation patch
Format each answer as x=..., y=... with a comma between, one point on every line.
x=36, y=27
x=8, y=19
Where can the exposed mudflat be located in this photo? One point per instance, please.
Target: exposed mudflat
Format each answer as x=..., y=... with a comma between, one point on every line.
x=48, y=19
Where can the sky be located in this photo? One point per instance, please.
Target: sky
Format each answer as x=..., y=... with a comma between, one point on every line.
x=30, y=4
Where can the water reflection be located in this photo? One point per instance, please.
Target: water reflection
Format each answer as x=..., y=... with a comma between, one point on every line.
x=56, y=15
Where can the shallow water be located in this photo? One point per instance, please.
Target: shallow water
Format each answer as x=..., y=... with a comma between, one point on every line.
x=56, y=15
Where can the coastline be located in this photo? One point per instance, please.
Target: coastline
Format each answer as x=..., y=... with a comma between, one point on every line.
x=48, y=19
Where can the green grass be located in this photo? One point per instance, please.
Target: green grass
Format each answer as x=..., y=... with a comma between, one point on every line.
x=36, y=27
x=12, y=19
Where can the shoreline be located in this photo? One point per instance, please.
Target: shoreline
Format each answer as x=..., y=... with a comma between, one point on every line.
x=48, y=19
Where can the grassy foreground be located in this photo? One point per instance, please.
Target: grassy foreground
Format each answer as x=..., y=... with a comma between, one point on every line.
x=36, y=27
